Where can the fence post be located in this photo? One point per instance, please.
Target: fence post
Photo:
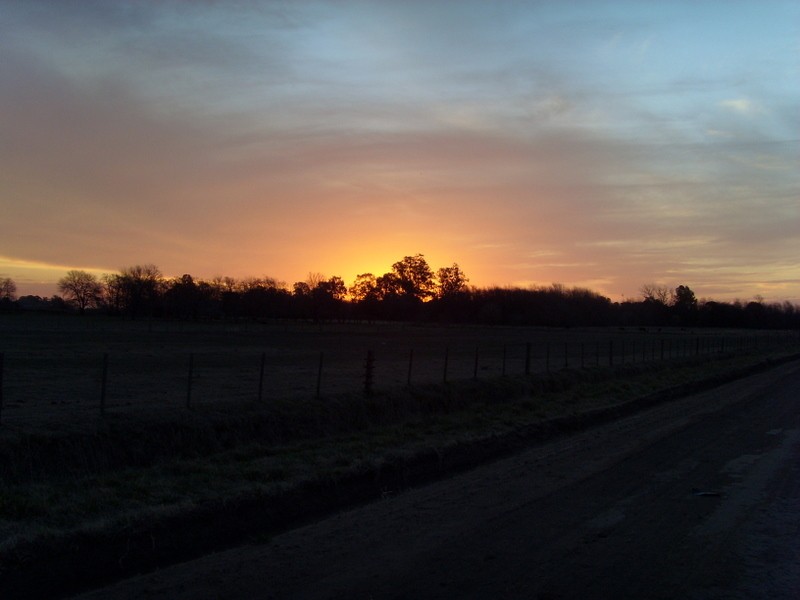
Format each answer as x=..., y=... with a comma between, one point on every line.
x=582, y=355
x=662, y=348
x=611, y=353
x=504, y=360
x=319, y=374
x=410, y=364
x=446, y=359
x=369, y=373
x=189, y=381
x=103, y=381
x=261, y=377
x=547, y=358
x=528, y=358
x=566, y=355
x=475, y=369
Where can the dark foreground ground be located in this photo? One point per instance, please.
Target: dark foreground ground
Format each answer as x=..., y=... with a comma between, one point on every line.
x=697, y=498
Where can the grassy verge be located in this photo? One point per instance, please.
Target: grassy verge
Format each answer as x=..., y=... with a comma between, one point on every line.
x=122, y=476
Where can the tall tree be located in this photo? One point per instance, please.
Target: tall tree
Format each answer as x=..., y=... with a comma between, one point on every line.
x=684, y=305
x=81, y=289
x=450, y=281
x=364, y=288
x=414, y=277
x=8, y=289
x=141, y=288
x=684, y=298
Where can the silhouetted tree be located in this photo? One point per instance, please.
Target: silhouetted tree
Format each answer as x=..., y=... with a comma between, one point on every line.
x=684, y=304
x=81, y=289
x=364, y=288
x=319, y=298
x=450, y=281
x=8, y=289
x=141, y=287
x=684, y=297
x=387, y=287
x=113, y=293
x=263, y=297
x=182, y=297
x=414, y=277
x=333, y=288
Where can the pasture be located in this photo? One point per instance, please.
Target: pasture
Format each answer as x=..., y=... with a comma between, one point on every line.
x=256, y=440
x=66, y=369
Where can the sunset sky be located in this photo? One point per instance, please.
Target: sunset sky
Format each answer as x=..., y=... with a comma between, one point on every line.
x=596, y=144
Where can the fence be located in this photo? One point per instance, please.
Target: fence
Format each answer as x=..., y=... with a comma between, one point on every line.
x=149, y=372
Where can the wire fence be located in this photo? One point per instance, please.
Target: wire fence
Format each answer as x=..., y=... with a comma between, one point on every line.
x=149, y=373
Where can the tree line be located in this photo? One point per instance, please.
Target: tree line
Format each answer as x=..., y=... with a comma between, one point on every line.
x=410, y=291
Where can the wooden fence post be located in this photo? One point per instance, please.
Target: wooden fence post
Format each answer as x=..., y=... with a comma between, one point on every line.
x=446, y=359
x=189, y=381
x=369, y=373
x=410, y=365
x=261, y=377
x=528, y=358
x=611, y=353
x=566, y=355
x=319, y=374
x=103, y=381
x=504, y=360
x=475, y=368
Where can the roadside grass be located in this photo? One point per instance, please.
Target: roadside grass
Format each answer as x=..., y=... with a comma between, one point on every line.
x=55, y=485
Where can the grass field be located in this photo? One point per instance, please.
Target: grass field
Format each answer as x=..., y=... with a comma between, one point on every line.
x=68, y=472
x=54, y=365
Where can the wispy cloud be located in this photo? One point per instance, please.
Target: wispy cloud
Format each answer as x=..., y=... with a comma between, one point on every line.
x=534, y=141
x=742, y=106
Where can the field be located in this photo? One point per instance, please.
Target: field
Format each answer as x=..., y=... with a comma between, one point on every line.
x=201, y=435
x=61, y=369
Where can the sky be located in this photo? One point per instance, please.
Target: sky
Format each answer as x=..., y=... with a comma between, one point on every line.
x=598, y=144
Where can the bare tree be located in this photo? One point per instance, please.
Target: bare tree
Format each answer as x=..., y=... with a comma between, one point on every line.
x=314, y=279
x=141, y=288
x=8, y=289
x=80, y=289
x=656, y=293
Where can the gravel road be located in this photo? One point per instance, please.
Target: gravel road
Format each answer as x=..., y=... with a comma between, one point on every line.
x=697, y=498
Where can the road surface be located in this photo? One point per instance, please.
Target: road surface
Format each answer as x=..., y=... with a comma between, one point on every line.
x=698, y=498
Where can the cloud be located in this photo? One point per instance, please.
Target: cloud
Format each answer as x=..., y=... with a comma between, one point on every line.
x=740, y=105
x=266, y=137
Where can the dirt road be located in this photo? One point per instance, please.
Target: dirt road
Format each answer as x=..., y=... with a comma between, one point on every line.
x=699, y=498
